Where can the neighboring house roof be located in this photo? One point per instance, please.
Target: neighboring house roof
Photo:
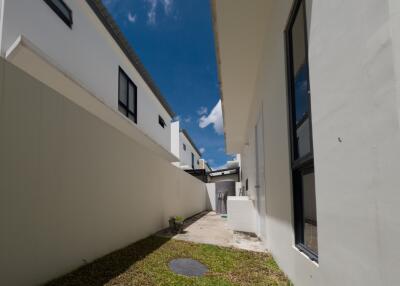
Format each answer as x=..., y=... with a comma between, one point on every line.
x=112, y=27
x=191, y=141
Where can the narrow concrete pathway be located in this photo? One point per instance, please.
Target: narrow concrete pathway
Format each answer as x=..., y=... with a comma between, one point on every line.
x=212, y=228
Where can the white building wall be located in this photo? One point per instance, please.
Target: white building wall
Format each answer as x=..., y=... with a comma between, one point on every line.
x=248, y=162
x=73, y=186
x=186, y=155
x=241, y=214
x=1, y=21
x=357, y=137
x=211, y=203
x=394, y=21
x=354, y=75
x=203, y=165
x=87, y=53
x=175, y=133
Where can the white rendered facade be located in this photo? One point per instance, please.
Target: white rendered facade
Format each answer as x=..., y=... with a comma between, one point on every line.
x=354, y=64
x=183, y=148
x=85, y=53
x=189, y=156
x=204, y=165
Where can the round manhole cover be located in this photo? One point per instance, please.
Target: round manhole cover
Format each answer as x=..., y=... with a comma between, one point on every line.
x=187, y=267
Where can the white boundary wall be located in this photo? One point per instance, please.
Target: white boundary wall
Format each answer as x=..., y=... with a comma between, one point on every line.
x=74, y=187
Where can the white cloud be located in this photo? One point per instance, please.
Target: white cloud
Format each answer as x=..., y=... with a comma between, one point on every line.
x=219, y=167
x=186, y=119
x=202, y=110
x=167, y=6
x=131, y=18
x=202, y=150
x=215, y=117
x=152, y=12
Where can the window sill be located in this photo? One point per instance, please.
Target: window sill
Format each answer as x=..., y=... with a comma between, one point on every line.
x=304, y=254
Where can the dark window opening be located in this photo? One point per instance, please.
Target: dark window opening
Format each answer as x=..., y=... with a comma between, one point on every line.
x=302, y=156
x=247, y=184
x=62, y=10
x=184, y=147
x=127, y=96
x=192, y=161
x=161, y=121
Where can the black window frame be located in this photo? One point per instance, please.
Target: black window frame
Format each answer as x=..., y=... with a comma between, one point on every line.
x=67, y=19
x=161, y=121
x=192, y=161
x=300, y=165
x=126, y=105
x=184, y=147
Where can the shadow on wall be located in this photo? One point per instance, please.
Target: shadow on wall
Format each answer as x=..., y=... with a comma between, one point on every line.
x=102, y=270
x=210, y=197
x=73, y=183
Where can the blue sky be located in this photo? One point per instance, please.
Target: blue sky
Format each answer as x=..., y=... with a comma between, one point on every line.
x=175, y=41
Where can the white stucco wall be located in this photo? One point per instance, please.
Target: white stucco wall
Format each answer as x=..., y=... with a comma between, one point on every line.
x=211, y=204
x=186, y=155
x=175, y=138
x=87, y=53
x=238, y=187
x=1, y=20
x=394, y=21
x=74, y=187
x=354, y=76
x=248, y=162
x=241, y=214
x=354, y=98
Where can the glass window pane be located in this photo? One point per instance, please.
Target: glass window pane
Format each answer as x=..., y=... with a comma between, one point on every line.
x=131, y=117
x=298, y=41
x=300, y=102
x=62, y=8
x=309, y=212
x=303, y=137
x=122, y=109
x=131, y=95
x=123, y=88
x=161, y=121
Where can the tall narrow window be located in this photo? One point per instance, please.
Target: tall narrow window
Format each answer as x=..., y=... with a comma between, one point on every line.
x=62, y=10
x=304, y=203
x=192, y=161
x=127, y=96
